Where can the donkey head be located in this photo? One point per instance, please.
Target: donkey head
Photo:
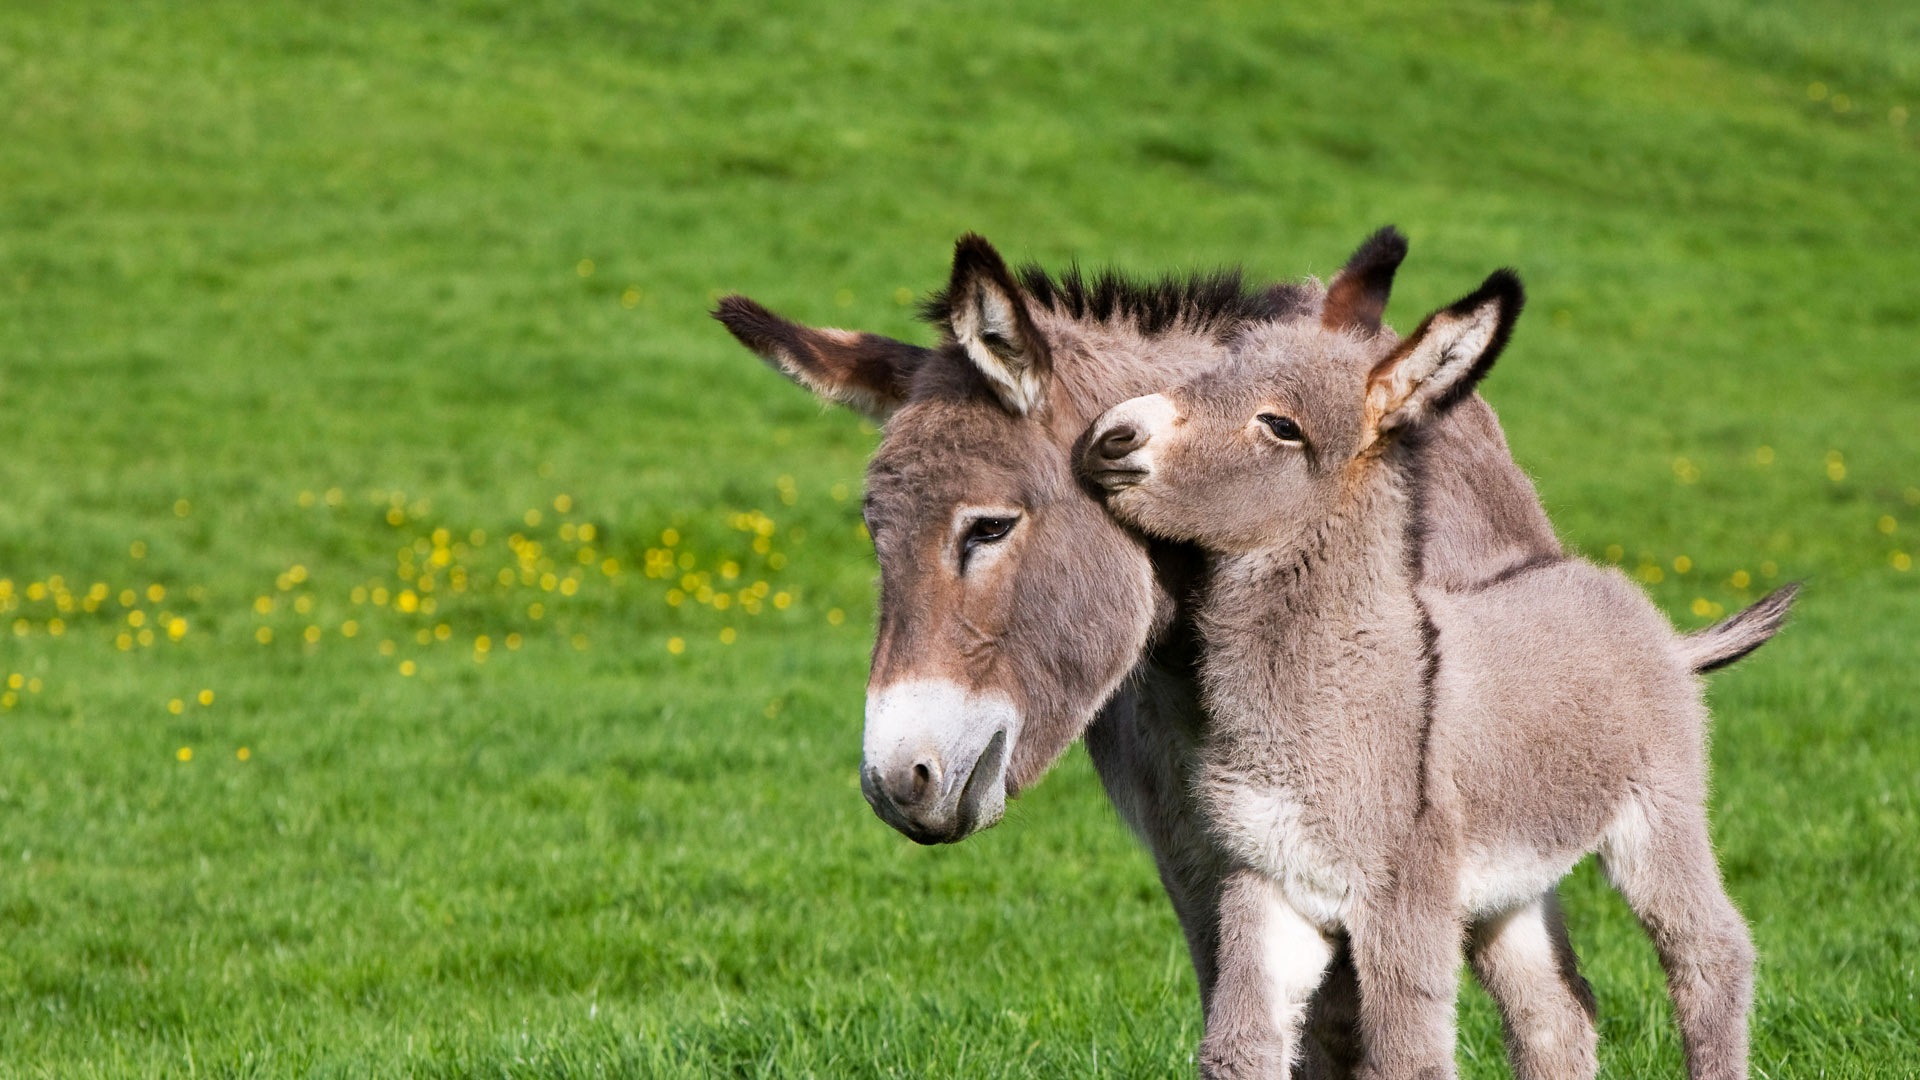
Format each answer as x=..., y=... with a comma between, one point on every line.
x=1011, y=606
x=1254, y=453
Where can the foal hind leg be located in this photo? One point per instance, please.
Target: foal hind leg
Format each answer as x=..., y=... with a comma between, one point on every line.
x=1661, y=860
x=1526, y=964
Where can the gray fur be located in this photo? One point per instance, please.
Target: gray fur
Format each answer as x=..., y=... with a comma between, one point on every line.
x=1404, y=754
x=1073, y=619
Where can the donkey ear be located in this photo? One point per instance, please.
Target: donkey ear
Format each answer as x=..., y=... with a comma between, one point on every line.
x=866, y=372
x=1441, y=362
x=987, y=314
x=1358, y=296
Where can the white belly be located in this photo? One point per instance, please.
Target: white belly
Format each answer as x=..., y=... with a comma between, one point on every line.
x=1496, y=882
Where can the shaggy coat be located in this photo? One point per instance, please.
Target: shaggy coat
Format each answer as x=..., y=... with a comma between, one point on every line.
x=1405, y=762
x=1015, y=616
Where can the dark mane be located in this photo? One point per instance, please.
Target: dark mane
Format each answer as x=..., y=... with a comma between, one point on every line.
x=1216, y=301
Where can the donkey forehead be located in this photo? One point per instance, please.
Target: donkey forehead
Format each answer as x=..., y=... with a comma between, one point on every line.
x=947, y=451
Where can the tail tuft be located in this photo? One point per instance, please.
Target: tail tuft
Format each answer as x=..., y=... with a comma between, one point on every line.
x=1738, y=634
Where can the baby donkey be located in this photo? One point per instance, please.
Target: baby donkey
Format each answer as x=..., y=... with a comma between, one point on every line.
x=1403, y=765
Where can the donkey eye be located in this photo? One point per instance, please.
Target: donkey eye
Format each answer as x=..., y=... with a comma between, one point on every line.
x=989, y=530
x=1283, y=427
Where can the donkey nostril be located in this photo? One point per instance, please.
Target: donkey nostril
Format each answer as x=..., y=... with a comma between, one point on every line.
x=925, y=776
x=1119, y=441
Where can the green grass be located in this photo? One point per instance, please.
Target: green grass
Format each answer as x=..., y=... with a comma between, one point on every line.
x=269, y=272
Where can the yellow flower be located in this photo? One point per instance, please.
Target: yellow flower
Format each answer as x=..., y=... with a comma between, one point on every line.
x=206, y=697
x=264, y=635
x=482, y=644
x=16, y=680
x=349, y=628
x=836, y=617
x=243, y=754
x=137, y=549
x=1902, y=561
x=532, y=518
x=408, y=667
x=176, y=706
x=185, y=753
x=513, y=641
x=176, y=628
x=313, y=635
x=676, y=646
x=1886, y=524
x=387, y=648
x=1682, y=564
x=1740, y=579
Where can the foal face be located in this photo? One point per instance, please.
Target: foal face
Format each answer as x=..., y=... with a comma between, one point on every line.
x=1248, y=455
x=1257, y=452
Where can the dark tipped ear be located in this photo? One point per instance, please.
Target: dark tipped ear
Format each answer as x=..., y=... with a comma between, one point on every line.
x=1358, y=296
x=1441, y=362
x=987, y=314
x=866, y=372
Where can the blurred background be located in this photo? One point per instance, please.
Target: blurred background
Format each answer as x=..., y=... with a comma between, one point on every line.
x=430, y=646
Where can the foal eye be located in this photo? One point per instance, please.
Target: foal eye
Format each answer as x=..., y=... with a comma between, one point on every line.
x=1283, y=428
x=990, y=530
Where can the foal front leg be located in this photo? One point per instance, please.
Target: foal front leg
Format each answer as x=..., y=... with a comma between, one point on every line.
x=1407, y=954
x=1270, y=960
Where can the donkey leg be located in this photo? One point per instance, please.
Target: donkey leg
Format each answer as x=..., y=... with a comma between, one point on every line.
x=1661, y=860
x=1406, y=952
x=1526, y=963
x=1270, y=961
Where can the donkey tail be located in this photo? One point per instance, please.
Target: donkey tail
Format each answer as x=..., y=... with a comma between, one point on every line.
x=1738, y=634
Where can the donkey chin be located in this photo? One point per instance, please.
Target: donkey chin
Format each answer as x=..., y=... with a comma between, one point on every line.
x=934, y=764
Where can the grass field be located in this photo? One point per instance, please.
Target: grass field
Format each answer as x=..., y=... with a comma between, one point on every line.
x=360, y=420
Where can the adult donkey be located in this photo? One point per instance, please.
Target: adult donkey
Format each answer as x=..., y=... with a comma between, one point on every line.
x=1016, y=617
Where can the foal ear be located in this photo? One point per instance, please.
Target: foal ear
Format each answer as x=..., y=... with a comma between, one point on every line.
x=1358, y=296
x=866, y=372
x=1441, y=362
x=987, y=314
